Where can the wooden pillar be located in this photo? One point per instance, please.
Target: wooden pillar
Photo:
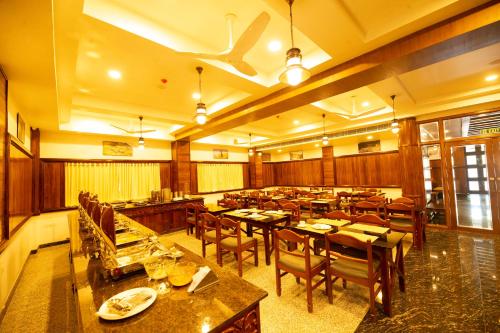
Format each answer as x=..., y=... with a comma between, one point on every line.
x=35, y=151
x=410, y=155
x=256, y=168
x=328, y=166
x=181, y=166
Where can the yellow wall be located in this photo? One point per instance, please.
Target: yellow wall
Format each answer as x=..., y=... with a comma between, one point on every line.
x=204, y=152
x=12, y=121
x=89, y=146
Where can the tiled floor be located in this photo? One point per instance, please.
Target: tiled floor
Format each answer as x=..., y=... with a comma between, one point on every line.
x=453, y=285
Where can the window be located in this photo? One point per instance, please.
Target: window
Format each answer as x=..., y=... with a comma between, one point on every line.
x=473, y=125
x=472, y=172
x=429, y=132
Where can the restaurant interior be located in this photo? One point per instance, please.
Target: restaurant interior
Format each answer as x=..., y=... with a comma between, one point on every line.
x=250, y=166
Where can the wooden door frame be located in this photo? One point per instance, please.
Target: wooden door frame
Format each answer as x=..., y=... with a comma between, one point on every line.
x=450, y=202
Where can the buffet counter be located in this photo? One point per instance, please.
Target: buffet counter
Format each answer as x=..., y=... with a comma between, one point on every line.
x=232, y=304
x=162, y=217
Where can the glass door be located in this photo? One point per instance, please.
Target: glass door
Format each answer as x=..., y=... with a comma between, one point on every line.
x=473, y=172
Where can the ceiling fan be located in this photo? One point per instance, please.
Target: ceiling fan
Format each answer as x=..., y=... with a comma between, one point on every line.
x=354, y=114
x=140, y=131
x=234, y=54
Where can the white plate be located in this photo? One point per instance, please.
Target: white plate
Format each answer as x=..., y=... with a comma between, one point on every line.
x=104, y=312
x=320, y=226
x=301, y=225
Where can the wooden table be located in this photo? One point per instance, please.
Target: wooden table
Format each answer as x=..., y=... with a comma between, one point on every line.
x=266, y=224
x=231, y=305
x=389, y=267
x=215, y=209
x=321, y=203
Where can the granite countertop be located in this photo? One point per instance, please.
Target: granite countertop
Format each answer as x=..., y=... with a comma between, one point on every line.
x=132, y=205
x=177, y=311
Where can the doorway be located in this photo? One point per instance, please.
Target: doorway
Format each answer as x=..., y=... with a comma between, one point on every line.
x=473, y=184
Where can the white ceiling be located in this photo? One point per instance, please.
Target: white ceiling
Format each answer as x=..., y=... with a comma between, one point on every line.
x=57, y=64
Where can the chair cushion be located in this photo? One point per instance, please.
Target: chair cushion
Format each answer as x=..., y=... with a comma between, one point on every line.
x=191, y=219
x=232, y=243
x=354, y=269
x=210, y=236
x=401, y=223
x=299, y=263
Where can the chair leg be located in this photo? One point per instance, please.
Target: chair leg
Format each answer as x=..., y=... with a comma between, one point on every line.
x=297, y=279
x=309, y=295
x=372, y=300
x=329, y=287
x=240, y=263
x=203, y=248
x=256, y=254
x=344, y=283
x=278, y=282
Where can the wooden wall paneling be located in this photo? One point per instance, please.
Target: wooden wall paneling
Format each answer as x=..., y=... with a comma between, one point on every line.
x=251, y=170
x=20, y=186
x=52, y=189
x=268, y=174
x=258, y=171
x=390, y=169
x=4, y=227
x=181, y=162
x=412, y=171
x=328, y=166
x=194, y=177
x=246, y=175
x=35, y=151
x=165, y=175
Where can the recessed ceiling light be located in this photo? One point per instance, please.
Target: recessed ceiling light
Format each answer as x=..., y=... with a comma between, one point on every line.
x=115, y=74
x=83, y=90
x=365, y=104
x=196, y=95
x=280, y=150
x=316, y=145
x=491, y=78
x=93, y=54
x=274, y=46
x=369, y=137
x=296, y=122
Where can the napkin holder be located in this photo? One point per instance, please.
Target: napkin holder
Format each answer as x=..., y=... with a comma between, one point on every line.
x=209, y=280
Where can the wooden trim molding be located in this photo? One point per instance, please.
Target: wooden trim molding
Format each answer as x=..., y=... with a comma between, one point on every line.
x=79, y=160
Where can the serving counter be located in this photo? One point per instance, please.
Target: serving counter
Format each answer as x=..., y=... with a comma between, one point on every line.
x=162, y=217
x=231, y=305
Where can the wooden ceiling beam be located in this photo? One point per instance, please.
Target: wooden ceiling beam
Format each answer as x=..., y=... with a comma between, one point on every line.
x=459, y=35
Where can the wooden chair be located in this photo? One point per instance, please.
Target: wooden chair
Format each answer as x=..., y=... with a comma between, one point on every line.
x=364, y=269
x=338, y=215
x=253, y=200
x=367, y=207
x=230, y=239
x=370, y=219
x=343, y=200
x=229, y=203
x=301, y=264
x=404, y=200
x=270, y=205
x=294, y=209
x=191, y=218
x=208, y=232
x=263, y=199
x=402, y=218
x=377, y=199
x=306, y=208
x=282, y=202
x=96, y=214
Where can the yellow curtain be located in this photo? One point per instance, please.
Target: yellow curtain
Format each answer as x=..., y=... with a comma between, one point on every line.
x=219, y=177
x=111, y=181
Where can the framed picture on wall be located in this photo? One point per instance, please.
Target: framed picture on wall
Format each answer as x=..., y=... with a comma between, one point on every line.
x=112, y=148
x=296, y=155
x=221, y=154
x=369, y=146
x=266, y=157
x=20, y=128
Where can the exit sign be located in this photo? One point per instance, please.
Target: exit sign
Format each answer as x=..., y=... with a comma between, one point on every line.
x=490, y=131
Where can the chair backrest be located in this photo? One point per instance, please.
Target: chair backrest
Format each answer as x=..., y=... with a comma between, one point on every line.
x=232, y=204
x=377, y=198
x=371, y=219
x=108, y=223
x=90, y=207
x=190, y=210
x=295, y=209
x=287, y=236
x=228, y=228
x=270, y=205
x=404, y=200
x=337, y=215
x=365, y=194
x=344, y=196
x=365, y=207
x=282, y=202
x=96, y=214
x=338, y=245
x=311, y=195
x=305, y=204
x=208, y=222
x=328, y=196
x=399, y=210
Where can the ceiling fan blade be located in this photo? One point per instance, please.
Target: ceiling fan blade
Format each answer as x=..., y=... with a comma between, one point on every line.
x=147, y=131
x=244, y=67
x=219, y=56
x=250, y=36
x=122, y=129
x=369, y=111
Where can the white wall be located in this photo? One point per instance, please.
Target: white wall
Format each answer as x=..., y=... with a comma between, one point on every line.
x=204, y=152
x=38, y=230
x=89, y=146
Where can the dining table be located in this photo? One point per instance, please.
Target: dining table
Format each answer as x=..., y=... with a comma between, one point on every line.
x=384, y=245
x=323, y=204
x=216, y=209
x=265, y=220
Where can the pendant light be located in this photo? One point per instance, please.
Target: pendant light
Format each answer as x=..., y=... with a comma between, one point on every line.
x=250, y=151
x=201, y=109
x=141, y=139
x=325, y=137
x=394, y=124
x=294, y=73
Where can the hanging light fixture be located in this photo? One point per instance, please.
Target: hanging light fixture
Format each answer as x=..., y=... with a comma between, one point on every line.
x=250, y=151
x=294, y=73
x=394, y=124
x=324, y=140
x=201, y=109
x=141, y=139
